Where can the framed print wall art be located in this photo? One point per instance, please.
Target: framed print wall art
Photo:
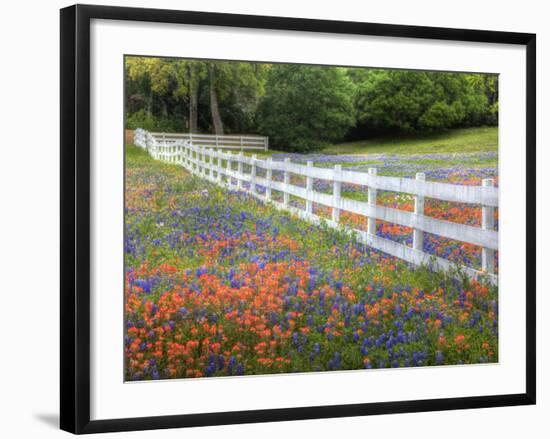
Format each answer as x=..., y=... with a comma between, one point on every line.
x=269, y=218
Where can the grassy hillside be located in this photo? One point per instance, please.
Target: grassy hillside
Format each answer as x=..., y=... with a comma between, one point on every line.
x=452, y=141
x=460, y=140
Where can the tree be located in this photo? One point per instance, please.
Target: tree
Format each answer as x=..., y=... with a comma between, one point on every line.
x=301, y=107
x=305, y=107
x=158, y=82
x=234, y=91
x=412, y=100
x=487, y=84
x=194, y=72
x=214, y=107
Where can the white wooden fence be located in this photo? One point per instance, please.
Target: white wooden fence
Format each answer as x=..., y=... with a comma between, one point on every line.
x=243, y=143
x=226, y=169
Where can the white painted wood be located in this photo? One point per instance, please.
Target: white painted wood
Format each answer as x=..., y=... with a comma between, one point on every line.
x=396, y=249
x=206, y=162
x=219, y=141
x=309, y=189
x=220, y=165
x=488, y=223
x=240, y=170
x=371, y=222
x=286, y=180
x=441, y=191
x=202, y=161
x=336, y=193
x=253, y=175
x=418, y=235
x=228, y=165
x=268, y=177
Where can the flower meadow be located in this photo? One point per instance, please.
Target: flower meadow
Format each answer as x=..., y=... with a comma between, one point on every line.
x=218, y=283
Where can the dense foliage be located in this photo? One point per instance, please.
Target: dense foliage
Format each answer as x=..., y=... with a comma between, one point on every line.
x=305, y=106
x=301, y=107
x=409, y=100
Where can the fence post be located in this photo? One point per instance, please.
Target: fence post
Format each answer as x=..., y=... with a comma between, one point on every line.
x=268, y=175
x=266, y=143
x=210, y=153
x=241, y=139
x=220, y=164
x=487, y=223
x=336, y=192
x=240, y=170
x=253, y=175
x=197, y=160
x=309, y=189
x=371, y=223
x=197, y=155
x=228, y=168
x=208, y=162
x=286, y=181
x=418, y=235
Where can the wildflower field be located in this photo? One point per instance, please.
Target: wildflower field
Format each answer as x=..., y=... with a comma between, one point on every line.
x=218, y=283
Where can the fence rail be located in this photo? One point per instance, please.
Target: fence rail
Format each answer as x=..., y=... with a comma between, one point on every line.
x=209, y=164
x=244, y=143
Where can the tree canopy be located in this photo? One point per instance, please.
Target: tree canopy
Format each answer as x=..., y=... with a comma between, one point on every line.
x=301, y=107
x=411, y=100
x=305, y=107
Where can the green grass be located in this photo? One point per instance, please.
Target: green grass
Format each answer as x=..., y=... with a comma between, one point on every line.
x=459, y=140
x=452, y=141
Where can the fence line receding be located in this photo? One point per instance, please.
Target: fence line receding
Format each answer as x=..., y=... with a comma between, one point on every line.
x=208, y=163
x=222, y=141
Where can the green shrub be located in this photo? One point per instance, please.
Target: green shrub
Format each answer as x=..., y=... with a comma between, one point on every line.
x=140, y=119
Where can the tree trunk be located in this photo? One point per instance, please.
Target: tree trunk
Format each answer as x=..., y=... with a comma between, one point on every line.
x=193, y=99
x=149, y=103
x=214, y=108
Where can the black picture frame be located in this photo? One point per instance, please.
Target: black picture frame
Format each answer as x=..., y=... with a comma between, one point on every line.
x=75, y=217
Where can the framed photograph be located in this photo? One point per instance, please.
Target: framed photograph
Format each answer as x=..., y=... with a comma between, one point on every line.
x=268, y=218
